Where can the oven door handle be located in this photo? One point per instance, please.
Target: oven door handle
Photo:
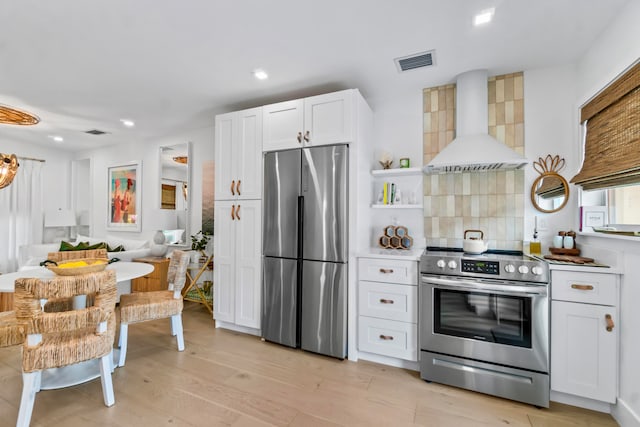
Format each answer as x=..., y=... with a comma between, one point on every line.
x=484, y=287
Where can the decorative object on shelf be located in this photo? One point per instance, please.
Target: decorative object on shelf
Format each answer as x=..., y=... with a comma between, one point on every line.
x=159, y=248
x=592, y=217
x=395, y=237
x=199, y=243
x=13, y=116
x=550, y=191
x=8, y=169
x=405, y=162
x=386, y=159
x=181, y=159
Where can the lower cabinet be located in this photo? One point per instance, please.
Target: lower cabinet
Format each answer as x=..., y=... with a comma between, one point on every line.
x=584, y=334
x=237, y=271
x=388, y=308
x=154, y=281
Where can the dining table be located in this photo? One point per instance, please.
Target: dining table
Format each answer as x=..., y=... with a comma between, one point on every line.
x=85, y=371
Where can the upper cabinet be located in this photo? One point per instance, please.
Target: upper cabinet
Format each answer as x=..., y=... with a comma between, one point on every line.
x=238, y=154
x=317, y=120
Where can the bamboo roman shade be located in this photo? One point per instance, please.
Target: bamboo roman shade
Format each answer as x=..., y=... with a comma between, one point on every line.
x=612, y=146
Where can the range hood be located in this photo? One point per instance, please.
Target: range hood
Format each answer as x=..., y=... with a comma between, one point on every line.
x=473, y=149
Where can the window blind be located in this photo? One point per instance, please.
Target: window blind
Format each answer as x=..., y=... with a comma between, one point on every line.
x=612, y=143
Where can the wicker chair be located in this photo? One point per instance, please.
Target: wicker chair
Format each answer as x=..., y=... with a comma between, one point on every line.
x=143, y=306
x=60, y=339
x=66, y=304
x=12, y=332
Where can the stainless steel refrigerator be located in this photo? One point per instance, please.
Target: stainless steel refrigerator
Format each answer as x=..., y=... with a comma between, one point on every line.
x=305, y=249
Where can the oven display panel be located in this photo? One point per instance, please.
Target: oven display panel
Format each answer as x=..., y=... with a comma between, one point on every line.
x=476, y=266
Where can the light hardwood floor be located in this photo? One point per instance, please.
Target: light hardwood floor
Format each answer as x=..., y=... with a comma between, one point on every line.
x=224, y=378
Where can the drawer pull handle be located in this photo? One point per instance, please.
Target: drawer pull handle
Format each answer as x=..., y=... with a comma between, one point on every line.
x=386, y=337
x=238, y=188
x=233, y=209
x=386, y=301
x=233, y=183
x=610, y=324
x=386, y=270
x=582, y=287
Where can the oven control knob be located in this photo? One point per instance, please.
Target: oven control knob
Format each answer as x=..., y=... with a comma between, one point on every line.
x=452, y=265
x=509, y=268
x=536, y=270
x=440, y=263
x=523, y=269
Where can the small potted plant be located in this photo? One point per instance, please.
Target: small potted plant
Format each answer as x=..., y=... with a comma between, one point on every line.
x=199, y=242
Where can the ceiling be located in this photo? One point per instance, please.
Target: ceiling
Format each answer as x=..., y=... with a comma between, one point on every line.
x=171, y=65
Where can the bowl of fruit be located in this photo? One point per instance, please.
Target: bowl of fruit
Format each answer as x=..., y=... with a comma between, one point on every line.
x=74, y=267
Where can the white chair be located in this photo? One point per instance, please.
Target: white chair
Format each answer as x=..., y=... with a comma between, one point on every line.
x=57, y=339
x=144, y=306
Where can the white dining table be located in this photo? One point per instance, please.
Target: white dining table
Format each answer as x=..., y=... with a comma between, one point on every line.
x=85, y=371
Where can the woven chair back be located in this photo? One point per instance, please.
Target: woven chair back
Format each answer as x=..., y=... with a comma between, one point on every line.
x=177, y=274
x=71, y=336
x=66, y=255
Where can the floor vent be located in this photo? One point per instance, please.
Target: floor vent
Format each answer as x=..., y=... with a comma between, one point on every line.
x=416, y=60
x=96, y=132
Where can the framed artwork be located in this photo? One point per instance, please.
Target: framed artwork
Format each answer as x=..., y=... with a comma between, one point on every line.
x=593, y=216
x=125, y=197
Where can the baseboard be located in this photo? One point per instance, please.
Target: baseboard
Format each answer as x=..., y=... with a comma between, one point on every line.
x=624, y=415
x=237, y=328
x=391, y=361
x=581, y=402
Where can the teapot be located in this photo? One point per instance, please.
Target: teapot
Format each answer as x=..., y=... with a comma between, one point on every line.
x=474, y=245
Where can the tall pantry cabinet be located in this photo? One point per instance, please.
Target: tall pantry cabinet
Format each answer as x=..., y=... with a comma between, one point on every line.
x=238, y=220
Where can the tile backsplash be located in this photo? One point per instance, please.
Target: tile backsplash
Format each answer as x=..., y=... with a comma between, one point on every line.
x=489, y=201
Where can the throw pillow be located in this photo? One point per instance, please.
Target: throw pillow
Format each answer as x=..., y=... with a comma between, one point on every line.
x=82, y=246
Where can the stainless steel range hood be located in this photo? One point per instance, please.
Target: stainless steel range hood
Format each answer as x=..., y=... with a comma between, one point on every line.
x=473, y=149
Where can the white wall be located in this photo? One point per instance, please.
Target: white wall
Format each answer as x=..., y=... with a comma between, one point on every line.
x=550, y=121
x=153, y=218
x=615, y=50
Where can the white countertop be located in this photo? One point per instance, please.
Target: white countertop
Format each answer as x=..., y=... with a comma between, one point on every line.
x=412, y=254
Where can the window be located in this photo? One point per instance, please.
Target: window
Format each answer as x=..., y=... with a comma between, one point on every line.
x=624, y=205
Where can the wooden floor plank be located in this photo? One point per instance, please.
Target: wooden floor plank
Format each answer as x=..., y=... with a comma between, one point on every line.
x=224, y=378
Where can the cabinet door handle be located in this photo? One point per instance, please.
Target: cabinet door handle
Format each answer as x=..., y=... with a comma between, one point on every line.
x=238, y=213
x=306, y=136
x=386, y=270
x=300, y=137
x=609, y=320
x=238, y=187
x=386, y=337
x=582, y=287
x=386, y=301
x=233, y=207
x=233, y=183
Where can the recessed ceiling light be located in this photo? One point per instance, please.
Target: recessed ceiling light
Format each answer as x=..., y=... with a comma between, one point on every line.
x=56, y=138
x=128, y=123
x=484, y=17
x=260, y=74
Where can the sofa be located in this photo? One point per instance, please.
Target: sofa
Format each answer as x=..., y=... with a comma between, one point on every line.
x=33, y=255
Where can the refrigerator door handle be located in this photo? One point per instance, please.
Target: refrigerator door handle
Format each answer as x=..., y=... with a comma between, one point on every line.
x=300, y=224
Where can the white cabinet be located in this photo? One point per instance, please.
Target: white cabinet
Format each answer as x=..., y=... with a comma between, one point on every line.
x=237, y=272
x=584, y=334
x=316, y=120
x=388, y=307
x=238, y=154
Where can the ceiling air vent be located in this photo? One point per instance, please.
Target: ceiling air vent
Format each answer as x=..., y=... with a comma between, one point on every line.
x=96, y=132
x=416, y=60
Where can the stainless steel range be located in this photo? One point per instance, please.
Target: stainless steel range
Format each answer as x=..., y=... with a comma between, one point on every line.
x=484, y=323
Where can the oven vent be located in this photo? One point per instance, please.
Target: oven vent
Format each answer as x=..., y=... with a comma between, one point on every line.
x=96, y=132
x=416, y=60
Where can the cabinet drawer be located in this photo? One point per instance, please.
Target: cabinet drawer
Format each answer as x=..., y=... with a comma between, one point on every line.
x=388, y=301
x=591, y=288
x=396, y=271
x=388, y=337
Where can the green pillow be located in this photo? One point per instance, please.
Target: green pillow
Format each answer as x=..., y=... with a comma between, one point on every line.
x=81, y=246
x=118, y=248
